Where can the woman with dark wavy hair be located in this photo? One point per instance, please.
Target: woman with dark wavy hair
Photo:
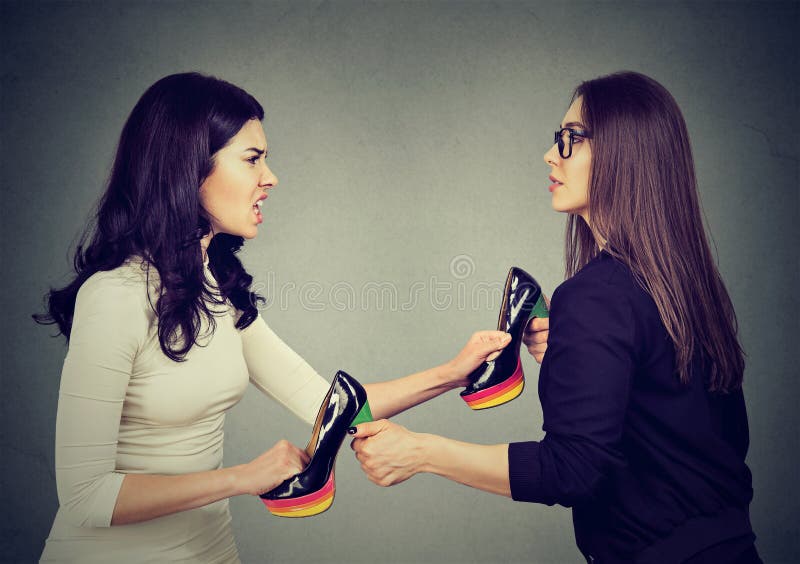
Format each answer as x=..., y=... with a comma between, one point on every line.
x=164, y=335
x=641, y=380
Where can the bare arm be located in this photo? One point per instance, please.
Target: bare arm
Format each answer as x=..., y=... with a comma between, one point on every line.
x=390, y=454
x=484, y=467
x=282, y=374
x=147, y=496
x=389, y=398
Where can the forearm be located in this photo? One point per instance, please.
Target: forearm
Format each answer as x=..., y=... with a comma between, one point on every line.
x=484, y=467
x=147, y=496
x=387, y=399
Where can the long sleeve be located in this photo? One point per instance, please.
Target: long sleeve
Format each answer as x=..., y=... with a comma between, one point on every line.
x=584, y=387
x=109, y=325
x=281, y=373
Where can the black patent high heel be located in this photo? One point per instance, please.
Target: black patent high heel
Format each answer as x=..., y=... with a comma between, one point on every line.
x=311, y=491
x=501, y=380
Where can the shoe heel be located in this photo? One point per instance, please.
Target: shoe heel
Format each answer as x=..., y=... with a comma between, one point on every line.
x=500, y=393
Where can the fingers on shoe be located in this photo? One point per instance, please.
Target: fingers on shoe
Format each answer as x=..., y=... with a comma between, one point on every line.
x=540, y=337
x=367, y=429
x=491, y=336
x=538, y=324
x=499, y=342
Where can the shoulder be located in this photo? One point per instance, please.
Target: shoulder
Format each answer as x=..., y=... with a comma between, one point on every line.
x=605, y=296
x=598, y=299
x=113, y=318
x=130, y=289
x=604, y=270
x=605, y=276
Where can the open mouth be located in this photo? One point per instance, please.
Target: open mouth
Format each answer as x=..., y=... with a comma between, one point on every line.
x=257, y=208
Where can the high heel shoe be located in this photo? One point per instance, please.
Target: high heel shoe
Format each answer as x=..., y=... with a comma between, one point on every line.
x=501, y=380
x=311, y=491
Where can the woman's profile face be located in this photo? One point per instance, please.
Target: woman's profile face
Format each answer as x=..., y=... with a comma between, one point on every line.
x=237, y=186
x=570, y=176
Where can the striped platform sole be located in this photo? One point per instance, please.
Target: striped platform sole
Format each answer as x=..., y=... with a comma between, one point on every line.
x=500, y=393
x=304, y=506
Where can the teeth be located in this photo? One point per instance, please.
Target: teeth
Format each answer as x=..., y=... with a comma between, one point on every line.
x=260, y=203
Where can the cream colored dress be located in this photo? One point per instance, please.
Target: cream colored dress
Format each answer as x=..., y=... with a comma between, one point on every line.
x=125, y=408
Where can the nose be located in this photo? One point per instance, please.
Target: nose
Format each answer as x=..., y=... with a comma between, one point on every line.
x=268, y=178
x=552, y=157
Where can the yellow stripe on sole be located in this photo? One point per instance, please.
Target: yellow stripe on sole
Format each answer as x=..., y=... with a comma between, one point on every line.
x=307, y=512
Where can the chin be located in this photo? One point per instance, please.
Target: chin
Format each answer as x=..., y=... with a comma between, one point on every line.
x=246, y=233
x=566, y=208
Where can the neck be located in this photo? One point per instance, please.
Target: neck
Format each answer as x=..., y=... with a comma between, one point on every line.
x=204, y=243
x=598, y=239
x=601, y=243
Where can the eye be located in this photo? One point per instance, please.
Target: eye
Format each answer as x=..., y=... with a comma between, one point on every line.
x=253, y=160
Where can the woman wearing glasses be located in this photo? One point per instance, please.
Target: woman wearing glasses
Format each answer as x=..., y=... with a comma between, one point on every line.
x=644, y=418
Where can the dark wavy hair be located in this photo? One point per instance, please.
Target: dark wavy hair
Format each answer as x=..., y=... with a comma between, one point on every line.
x=643, y=202
x=151, y=208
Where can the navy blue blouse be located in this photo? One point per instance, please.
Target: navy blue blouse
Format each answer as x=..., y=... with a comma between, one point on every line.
x=653, y=469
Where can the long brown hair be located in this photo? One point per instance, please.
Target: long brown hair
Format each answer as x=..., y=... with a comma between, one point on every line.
x=151, y=209
x=643, y=203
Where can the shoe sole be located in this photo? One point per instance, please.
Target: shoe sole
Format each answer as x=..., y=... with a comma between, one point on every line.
x=304, y=506
x=500, y=393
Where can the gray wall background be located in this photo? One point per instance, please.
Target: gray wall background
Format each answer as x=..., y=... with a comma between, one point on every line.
x=407, y=137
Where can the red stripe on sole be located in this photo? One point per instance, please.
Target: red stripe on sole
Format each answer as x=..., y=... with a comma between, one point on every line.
x=499, y=400
x=300, y=506
x=305, y=509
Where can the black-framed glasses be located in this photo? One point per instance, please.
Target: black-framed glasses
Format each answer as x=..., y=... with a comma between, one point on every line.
x=565, y=138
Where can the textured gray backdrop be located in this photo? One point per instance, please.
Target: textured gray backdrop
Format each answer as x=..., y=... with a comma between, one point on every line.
x=407, y=137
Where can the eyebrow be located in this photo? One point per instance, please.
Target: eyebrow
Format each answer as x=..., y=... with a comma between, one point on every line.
x=573, y=124
x=256, y=150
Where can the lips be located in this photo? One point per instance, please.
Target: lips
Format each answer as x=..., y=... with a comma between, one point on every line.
x=257, y=208
x=259, y=202
x=555, y=183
